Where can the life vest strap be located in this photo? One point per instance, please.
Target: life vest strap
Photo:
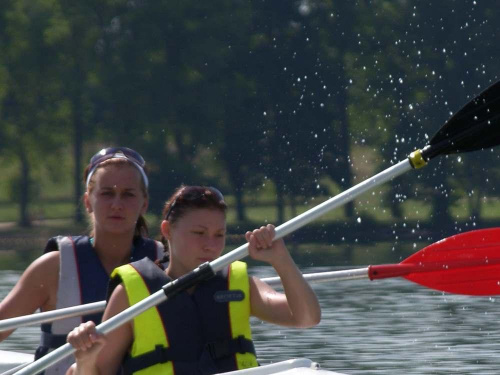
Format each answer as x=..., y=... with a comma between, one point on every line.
x=217, y=350
x=224, y=348
x=160, y=354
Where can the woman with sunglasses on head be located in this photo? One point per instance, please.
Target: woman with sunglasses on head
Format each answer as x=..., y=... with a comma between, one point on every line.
x=116, y=199
x=206, y=329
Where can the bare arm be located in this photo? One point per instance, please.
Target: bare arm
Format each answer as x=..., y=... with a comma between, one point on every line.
x=98, y=354
x=36, y=289
x=299, y=306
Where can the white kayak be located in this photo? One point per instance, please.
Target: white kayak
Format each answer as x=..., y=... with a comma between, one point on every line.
x=292, y=366
x=10, y=360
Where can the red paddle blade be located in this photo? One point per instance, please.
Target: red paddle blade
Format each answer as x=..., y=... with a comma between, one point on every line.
x=467, y=263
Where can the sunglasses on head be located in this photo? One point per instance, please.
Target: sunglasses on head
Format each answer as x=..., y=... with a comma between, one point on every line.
x=194, y=193
x=111, y=152
x=118, y=153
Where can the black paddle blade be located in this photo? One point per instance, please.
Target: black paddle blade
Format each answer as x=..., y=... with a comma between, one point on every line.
x=476, y=126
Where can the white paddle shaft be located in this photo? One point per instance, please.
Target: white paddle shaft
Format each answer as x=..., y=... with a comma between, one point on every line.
x=50, y=316
x=324, y=277
x=95, y=307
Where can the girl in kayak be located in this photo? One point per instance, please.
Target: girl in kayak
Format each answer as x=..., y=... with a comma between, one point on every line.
x=116, y=199
x=205, y=329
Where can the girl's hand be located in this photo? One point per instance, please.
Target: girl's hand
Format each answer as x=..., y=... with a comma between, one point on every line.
x=263, y=247
x=87, y=342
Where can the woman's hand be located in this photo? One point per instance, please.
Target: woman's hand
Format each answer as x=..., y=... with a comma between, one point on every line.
x=263, y=247
x=87, y=342
x=90, y=357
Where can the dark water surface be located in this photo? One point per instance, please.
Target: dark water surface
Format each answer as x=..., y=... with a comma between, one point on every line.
x=370, y=327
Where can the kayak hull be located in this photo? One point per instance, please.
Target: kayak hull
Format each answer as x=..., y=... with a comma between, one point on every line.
x=290, y=367
x=10, y=360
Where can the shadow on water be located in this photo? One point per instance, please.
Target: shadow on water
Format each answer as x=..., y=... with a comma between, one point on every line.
x=334, y=244
x=18, y=257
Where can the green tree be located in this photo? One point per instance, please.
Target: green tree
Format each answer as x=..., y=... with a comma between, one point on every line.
x=32, y=116
x=74, y=33
x=164, y=79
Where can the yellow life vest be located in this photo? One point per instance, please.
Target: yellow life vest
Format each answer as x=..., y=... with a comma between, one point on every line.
x=183, y=334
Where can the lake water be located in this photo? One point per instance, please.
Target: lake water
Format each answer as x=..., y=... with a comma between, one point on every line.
x=370, y=327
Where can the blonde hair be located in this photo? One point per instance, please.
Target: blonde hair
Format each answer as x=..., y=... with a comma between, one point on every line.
x=141, y=227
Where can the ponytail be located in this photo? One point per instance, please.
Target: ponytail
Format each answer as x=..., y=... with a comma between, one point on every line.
x=141, y=227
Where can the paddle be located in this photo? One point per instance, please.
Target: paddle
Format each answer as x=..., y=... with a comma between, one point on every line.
x=472, y=256
x=466, y=263
x=474, y=127
x=465, y=253
x=51, y=316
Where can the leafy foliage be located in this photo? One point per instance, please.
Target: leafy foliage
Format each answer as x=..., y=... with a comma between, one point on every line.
x=301, y=95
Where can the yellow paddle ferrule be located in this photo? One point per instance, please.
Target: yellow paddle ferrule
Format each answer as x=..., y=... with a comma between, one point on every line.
x=416, y=159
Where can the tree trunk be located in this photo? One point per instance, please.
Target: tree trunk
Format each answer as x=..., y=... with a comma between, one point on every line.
x=280, y=205
x=475, y=205
x=343, y=142
x=293, y=205
x=77, y=144
x=24, y=193
x=240, y=207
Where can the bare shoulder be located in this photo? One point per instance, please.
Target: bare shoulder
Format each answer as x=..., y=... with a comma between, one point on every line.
x=117, y=302
x=45, y=266
x=119, y=295
x=50, y=259
x=37, y=288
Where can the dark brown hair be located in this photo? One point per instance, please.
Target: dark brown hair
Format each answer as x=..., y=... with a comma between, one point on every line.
x=187, y=198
